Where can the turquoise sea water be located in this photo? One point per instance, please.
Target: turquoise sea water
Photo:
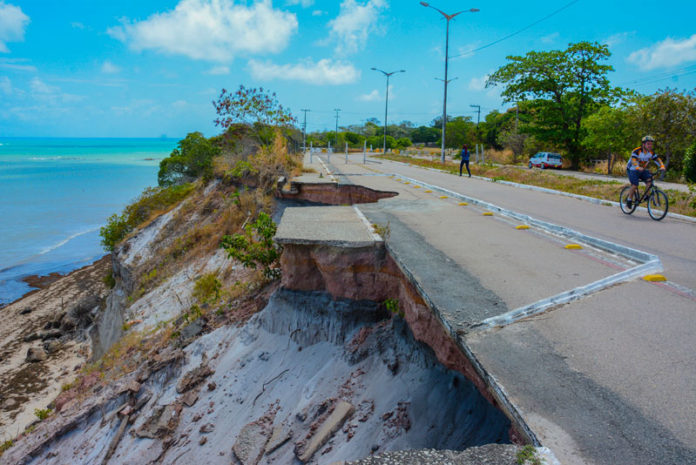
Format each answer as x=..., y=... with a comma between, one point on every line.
x=55, y=194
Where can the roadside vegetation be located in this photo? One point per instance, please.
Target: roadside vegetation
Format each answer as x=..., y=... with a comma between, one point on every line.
x=561, y=101
x=679, y=202
x=219, y=191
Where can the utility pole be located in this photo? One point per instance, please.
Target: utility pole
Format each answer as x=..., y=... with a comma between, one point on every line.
x=517, y=116
x=444, y=103
x=337, y=110
x=304, y=131
x=478, y=118
x=386, y=103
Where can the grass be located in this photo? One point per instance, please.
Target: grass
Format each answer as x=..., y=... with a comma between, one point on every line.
x=42, y=413
x=527, y=456
x=679, y=202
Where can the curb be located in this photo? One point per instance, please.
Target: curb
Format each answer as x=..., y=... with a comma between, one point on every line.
x=648, y=263
x=689, y=219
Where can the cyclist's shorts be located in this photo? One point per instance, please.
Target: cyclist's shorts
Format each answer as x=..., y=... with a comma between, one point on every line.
x=635, y=176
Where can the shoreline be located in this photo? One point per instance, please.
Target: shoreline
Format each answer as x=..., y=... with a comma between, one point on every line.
x=39, y=282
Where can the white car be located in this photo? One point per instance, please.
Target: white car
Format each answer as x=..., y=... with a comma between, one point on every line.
x=546, y=160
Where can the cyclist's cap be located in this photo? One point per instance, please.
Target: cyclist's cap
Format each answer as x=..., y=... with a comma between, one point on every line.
x=648, y=139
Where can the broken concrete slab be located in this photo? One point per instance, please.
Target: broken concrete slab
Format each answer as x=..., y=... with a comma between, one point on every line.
x=193, y=378
x=279, y=436
x=251, y=443
x=333, y=423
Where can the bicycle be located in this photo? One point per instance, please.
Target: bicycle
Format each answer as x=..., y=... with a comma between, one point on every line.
x=658, y=203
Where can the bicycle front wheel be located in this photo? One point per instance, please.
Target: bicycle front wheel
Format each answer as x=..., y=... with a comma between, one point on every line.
x=658, y=204
x=623, y=198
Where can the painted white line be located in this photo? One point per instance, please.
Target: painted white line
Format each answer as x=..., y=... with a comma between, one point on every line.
x=369, y=226
x=649, y=263
x=689, y=219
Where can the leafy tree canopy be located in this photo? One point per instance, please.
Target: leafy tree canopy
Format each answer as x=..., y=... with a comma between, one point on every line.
x=193, y=159
x=561, y=87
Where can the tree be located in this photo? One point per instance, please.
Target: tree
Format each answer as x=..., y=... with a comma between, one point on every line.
x=670, y=117
x=255, y=108
x=403, y=142
x=609, y=133
x=460, y=130
x=425, y=135
x=193, y=159
x=562, y=87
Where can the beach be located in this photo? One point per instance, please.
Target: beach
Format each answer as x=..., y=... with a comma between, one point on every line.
x=57, y=193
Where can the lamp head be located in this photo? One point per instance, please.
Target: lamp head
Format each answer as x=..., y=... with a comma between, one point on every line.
x=474, y=10
x=424, y=3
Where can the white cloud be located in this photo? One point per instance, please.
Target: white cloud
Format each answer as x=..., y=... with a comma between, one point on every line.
x=478, y=83
x=355, y=23
x=669, y=52
x=318, y=13
x=371, y=97
x=214, y=30
x=304, y=3
x=324, y=72
x=551, y=38
x=110, y=68
x=77, y=25
x=218, y=70
x=40, y=87
x=51, y=94
x=13, y=22
x=615, y=39
x=16, y=67
x=5, y=85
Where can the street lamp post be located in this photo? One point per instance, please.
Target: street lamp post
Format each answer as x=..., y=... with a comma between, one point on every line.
x=386, y=103
x=444, y=105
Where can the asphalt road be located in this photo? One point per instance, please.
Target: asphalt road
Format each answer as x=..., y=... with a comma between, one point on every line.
x=608, y=379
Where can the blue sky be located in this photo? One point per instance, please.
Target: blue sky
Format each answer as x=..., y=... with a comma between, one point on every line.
x=148, y=68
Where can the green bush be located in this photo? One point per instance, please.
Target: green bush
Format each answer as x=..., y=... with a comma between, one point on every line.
x=193, y=159
x=6, y=445
x=690, y=164
x=256, y=247
x=207, y=288
x=42, y=414
x=153, y=200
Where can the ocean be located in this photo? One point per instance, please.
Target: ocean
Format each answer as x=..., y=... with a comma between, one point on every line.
x=56, y=193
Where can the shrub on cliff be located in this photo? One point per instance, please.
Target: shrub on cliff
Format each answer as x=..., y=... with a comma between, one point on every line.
x=193, y=159
x=153, y=201
x=255, y=108
x=255, y=246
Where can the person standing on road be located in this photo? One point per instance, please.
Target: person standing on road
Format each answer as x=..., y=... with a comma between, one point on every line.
x=637, y=168
x=465, y=160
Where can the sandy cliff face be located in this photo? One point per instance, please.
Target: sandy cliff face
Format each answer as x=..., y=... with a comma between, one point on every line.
x=321, y=372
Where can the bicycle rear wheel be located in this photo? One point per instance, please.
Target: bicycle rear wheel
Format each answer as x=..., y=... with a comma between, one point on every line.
x=623, y=197
x=658, y=204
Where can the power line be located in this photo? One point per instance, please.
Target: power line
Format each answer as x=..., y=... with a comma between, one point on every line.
x=661, y=76
x=519, y=31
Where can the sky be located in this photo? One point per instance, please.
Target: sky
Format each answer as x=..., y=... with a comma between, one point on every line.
x=77, y=68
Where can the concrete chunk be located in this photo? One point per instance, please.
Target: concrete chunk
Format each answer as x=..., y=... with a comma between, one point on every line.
x=332, y=424
x=251, y=443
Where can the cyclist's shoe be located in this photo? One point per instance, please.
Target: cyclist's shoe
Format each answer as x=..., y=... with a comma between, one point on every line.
x=629, y=203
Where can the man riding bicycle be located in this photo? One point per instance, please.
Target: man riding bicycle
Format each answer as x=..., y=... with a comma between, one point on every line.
x=637, y=168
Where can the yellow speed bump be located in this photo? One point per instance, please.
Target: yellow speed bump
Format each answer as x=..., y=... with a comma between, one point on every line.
x=427, y=192
x=573, y=247
x=487, y=213
x=462, y=204
x=443, y=196
x=416, y=187
x=406, y=182
x=522, y=226
x=654, y=278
